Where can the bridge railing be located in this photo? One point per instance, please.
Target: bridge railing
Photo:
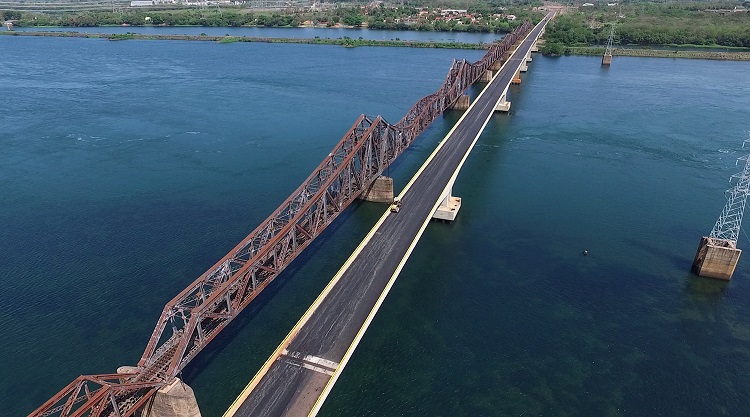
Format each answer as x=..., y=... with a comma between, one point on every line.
x=198, y=313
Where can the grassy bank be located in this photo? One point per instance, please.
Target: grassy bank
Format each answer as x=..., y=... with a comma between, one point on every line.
x=662, y=53
x=346, y=42
x=741, y=55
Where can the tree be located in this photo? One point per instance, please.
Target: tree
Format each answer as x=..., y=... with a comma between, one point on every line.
x=354, y=20
x=553, y=48
x=10, y=15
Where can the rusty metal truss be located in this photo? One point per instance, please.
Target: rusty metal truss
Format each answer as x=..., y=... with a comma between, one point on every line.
x=198, y=313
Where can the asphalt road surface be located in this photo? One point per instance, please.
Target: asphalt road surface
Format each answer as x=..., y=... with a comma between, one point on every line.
x=298, y=376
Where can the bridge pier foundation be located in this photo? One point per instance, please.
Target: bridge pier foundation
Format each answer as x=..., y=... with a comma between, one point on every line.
x=524, y=67
x=381, y=191
x=487, y=76
x=506, y=56
x=606, y=59
x=716, y=258
x=174, y=400
x=503, y=104
x=448, y=208
x=528, y=57
x=462, y=103
x=516, y=78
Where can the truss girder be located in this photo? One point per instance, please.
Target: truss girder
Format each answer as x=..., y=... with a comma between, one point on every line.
x=197, y=314
x=100, y=395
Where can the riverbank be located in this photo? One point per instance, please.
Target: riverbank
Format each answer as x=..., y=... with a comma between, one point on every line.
x=345, y=41
x=351, y=42
x=663, y=53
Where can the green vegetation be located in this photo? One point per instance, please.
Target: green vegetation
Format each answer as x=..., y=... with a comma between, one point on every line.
x=638, y=22
x=684, y=23
x=553, y=48
x=482, y=16
x=231, y=39
x=345, y=41
x=121, y=36
x=662, y=53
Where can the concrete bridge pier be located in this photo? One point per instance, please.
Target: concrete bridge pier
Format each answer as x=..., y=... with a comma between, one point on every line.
x=174, y=400
x=381, y=191
x=487, y=76
x=503, y=104
x=516, y=78
x=497, y=65
x=449, y=206
x=716, y=258
x=528, y=57
x=462, y=103
x=535, y=47
x=524, y=67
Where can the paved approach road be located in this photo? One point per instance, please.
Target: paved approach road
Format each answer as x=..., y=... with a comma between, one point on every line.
x=298, y=377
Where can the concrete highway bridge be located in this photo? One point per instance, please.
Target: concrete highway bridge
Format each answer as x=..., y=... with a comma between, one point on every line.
x=302, y=371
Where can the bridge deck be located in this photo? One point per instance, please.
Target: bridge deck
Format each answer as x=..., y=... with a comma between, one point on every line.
x=299, y=375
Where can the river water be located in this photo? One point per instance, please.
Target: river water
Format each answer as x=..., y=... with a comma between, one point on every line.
x=129, y=168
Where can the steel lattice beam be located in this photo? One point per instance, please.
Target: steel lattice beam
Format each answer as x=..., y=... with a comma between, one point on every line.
x=198, y=313
x=729, y=223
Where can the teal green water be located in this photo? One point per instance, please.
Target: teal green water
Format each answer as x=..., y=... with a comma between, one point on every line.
x=128, y=168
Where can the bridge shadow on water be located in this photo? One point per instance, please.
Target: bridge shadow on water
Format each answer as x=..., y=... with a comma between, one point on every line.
x=268, y=299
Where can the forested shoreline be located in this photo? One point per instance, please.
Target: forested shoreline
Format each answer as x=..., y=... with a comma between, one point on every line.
x=479, y=17
x=695, y=23
x=651, y=24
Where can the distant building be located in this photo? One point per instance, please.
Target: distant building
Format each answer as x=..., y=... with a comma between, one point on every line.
x=141, y=3
x=510, y=17
x=449, y=12
x=587, y=4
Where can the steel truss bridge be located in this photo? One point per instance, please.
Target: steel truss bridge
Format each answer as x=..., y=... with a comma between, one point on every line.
x=197, y=314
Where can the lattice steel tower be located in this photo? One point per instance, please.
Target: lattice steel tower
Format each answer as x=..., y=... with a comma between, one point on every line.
x=717, y=254
x=607, y=57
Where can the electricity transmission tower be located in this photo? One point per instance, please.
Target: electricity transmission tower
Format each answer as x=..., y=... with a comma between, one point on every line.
x=607, y=58
x=717, y=254
x=728, y=224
